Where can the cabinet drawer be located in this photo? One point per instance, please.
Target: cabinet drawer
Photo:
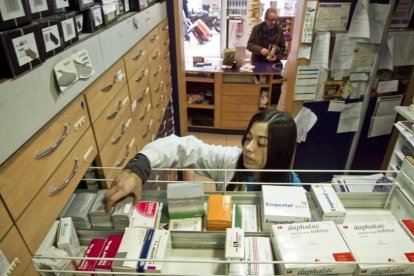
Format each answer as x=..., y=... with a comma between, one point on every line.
x=153, y=38
x=100, y=93
x=241, y=89
x=136, y=57
x=236, y=124
x=117, y=140
x=240, y=100
x=126, y=153
x=155, y=57
x=157, y=71
x=139, y=82
x=238, y=107
x=163, y=30
x=110, y=118
x=23, y=175
x=48, y=203
x=6, y=222
x=245, y=116
x=12, y=245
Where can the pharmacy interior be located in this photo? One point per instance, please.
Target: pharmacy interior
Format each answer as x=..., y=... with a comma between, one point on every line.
x=86, y=85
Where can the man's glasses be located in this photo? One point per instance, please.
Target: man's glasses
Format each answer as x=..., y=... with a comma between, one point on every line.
x=272, y=20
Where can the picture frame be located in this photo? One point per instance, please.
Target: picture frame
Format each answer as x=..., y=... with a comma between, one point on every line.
x=333, y=89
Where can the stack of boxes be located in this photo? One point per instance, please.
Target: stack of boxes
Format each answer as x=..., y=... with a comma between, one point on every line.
x=33, y=31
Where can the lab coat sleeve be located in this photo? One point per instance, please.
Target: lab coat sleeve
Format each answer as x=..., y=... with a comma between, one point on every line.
x=189, y=152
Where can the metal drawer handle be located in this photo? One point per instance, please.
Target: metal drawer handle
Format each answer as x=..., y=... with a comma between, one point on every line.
x=163, y=127
x=53, y=147
x=161, y=101
x=144, y=73
x=140, y=54
x=121, y=104
x=155, y=38
x=146, y=91
x=128, y=150
x=167, y=56
x=165, y=28
x=158, y=71
x=125, y=127
x=57, y=189
x=119, y=76
x=167, y=42
x=156, y=55
x=148, y=129
x=146, y=110
x=159, y=87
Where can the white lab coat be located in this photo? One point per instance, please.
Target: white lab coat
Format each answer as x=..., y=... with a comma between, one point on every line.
x=189, y=152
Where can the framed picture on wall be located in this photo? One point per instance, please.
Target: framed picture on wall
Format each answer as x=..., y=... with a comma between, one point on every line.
x=333, y=89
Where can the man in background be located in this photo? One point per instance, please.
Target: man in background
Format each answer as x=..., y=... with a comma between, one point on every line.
x=266, y=41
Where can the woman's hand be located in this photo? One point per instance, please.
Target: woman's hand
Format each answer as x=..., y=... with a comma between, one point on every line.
x=124, y=184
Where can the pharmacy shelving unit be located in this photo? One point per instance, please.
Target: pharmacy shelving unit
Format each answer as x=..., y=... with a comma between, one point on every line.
x=202, y=252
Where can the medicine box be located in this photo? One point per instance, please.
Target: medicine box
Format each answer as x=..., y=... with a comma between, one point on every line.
x=219, y=212
x=67, y=238
x=318, y=244
x=382, y=242
x=328, y=203
x=185, y=200
x=282, y=205
x=144, y=214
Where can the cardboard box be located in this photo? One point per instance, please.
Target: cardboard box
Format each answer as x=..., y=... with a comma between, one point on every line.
x=408, y=226
x=68, y=28
x=109, y=13
x=145, y=250
x=93, y=19
x=130, y=248
x=40, y=9
x=51, y=41
x=19, y=50
x=256, y=249
x=144, y=214
x=138, y=5
x=186, y=224
x=245, y=216
x=282, y=205
x=234, y=247
x=60, y=6
x=97, y=215
x=67, y=238
x=81, y=5
x=219, y=212
x=94, y=250
x=311, y=242
x=14, y=14
x=384, y=242
x=122, y=212
x=159, y=249
x=111, y=248
x=185, y=200
x=328, y=203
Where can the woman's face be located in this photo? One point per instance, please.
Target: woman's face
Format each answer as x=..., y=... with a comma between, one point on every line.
x=255, y=146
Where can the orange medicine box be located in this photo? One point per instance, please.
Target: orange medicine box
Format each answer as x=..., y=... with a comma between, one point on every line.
x=219, y=212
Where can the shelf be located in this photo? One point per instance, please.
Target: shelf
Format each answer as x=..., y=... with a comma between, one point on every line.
x=199, y=79
x=403, y=111
x=200, y=106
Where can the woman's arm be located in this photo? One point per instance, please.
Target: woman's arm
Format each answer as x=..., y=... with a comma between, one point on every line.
x=172, y=152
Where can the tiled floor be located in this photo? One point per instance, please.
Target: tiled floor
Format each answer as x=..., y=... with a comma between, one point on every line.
x=216, y=139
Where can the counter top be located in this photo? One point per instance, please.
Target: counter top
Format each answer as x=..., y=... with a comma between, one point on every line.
x=215, y=66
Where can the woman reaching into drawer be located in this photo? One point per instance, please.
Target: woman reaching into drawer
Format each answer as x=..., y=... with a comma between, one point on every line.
x=268, y=143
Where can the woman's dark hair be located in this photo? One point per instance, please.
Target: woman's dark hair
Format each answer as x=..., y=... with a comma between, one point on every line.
x=281, y=146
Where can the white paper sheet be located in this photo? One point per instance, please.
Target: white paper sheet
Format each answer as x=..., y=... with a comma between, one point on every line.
x=305, y=120
x=364, y=56
x=386, y=105
x=359, y=26
x=320, y=50
x=403, y=48
x=378, y=14
x=350, y=118
x=308, y=21
x=307, y=80
x=387, y=55
x=304, y=51
x=343, y=52
x=332, y=16
x=336, y=106
x=387, y=86
x=381, y=125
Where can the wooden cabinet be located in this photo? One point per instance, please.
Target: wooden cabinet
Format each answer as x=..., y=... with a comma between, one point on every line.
x=106, y=123
x=25, y=173
x=227, y=100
